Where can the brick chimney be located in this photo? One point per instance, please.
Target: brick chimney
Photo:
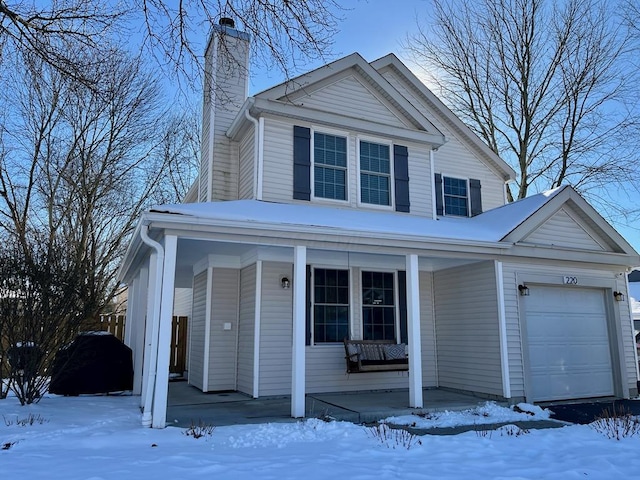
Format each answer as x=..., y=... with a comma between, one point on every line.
x=226, y=86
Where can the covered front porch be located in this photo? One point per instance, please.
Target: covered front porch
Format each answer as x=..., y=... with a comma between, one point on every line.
x=252, y=329
x=187, y=405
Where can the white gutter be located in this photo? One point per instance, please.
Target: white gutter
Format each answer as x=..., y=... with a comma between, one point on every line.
x=258, y=151
x=157, y=295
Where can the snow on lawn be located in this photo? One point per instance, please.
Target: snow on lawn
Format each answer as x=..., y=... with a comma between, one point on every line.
x=102, y=438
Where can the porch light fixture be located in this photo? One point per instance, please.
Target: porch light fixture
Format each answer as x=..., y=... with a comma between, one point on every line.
x=524, y=290
x=619, y=296
x=286, y=283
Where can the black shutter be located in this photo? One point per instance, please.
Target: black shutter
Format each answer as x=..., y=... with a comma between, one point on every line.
x=475, y=197
x=439, y=195
x=401, y=174
x=308, y=307
x=301, y=163
x=402, y=307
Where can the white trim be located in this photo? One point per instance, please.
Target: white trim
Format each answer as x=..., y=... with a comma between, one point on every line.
x=413, y=331
x=336, y=133
x=633, y=330
x=396, y=305
x=432, y=164
x=502, y=327
x=138, y=338
x=256, y=331
x=444, y=206
x=379, y=141
x=256, y=140
x=298, y=332
x=207, y=330
x=260, y=158
x=312, y=301
x=161, y=390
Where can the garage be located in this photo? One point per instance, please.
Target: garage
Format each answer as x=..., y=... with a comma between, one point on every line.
x=568, y=343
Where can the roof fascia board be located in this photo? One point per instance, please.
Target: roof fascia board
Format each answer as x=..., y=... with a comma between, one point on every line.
x=289, y=90
x=391, y=60
x=340, y=121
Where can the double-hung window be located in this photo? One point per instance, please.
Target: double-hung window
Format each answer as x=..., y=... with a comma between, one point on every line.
x=329, y=166
x=378, y=306
x=456, y=196
x=330, y=305
x=375, y=173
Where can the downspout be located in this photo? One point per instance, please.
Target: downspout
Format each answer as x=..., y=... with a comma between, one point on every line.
x=258, y=153
x=153, y=357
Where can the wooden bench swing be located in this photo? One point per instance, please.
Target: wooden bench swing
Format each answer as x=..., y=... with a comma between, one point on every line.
x=375, y=356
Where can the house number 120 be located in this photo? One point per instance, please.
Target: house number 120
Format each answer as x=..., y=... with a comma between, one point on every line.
x=570, y=280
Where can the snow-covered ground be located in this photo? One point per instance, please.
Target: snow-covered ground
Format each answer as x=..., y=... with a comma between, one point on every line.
x=102, y=438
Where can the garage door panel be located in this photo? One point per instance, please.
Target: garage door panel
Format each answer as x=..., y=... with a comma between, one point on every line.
x=569, y=351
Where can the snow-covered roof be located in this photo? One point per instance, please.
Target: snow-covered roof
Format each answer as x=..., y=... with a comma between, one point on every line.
x=491, y=226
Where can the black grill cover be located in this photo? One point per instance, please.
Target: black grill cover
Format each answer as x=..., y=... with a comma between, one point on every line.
x=95, y=362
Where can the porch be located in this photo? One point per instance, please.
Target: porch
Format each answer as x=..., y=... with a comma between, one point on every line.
x=189, y=405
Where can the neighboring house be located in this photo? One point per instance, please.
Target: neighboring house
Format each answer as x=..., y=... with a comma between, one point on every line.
x=386, y=216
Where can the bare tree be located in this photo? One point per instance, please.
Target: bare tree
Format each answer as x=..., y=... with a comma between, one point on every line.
x=545, y=84
x=285, y=33
x=78, y=165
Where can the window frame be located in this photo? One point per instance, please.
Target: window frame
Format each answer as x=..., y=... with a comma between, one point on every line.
x=396, y=300
x=312, y=302
x=468, y=197
x=392, y=198
x=335, y=133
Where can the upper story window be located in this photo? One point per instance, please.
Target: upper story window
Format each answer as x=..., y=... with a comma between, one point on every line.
x=456, y=196
x=375, y=173
x=329, y=166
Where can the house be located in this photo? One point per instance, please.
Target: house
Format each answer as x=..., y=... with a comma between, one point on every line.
x=350, y=202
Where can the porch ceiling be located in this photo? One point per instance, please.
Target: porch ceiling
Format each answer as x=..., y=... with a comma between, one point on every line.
x=196, y=254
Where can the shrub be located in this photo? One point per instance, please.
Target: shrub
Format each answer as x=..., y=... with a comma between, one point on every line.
x=617, y=423
x=392, y=437
x=200, y=430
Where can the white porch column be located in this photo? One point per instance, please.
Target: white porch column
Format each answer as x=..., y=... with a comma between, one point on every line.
x=299, y=327
x=161, y=389
x=413, y=331
x=502, y=328
x=136, y=313
x=150, y=340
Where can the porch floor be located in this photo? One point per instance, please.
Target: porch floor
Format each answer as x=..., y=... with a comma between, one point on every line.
x=187, y=405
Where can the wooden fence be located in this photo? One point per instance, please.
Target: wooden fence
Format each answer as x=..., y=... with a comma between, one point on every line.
x=114, y=324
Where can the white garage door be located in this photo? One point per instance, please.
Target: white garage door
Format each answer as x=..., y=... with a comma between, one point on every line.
x=569, y=351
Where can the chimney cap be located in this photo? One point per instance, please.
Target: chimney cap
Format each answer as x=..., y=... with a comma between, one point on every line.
x=227, y=22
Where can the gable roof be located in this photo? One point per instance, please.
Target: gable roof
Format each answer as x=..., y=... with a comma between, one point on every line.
x=308, y=82
x=390, y=61
x=282, y=100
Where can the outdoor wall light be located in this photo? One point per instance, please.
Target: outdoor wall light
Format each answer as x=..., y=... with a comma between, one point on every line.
x=619, y=296
x=286, y=283
x=524, y=290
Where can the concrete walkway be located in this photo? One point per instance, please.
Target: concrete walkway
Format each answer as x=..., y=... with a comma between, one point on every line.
x=188, y=406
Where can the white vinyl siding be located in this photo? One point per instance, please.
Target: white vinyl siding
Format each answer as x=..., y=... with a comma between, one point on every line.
x=222, y=346
x=467, y=330
x=246, y=330
x=622, y=340
x=197, y=330
x=563, y=231
x=275, y=330
x=454, y=158
x=427, y=331
x=182, y=300
x=277, y=176
x=351, y=98
x=247, y=165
